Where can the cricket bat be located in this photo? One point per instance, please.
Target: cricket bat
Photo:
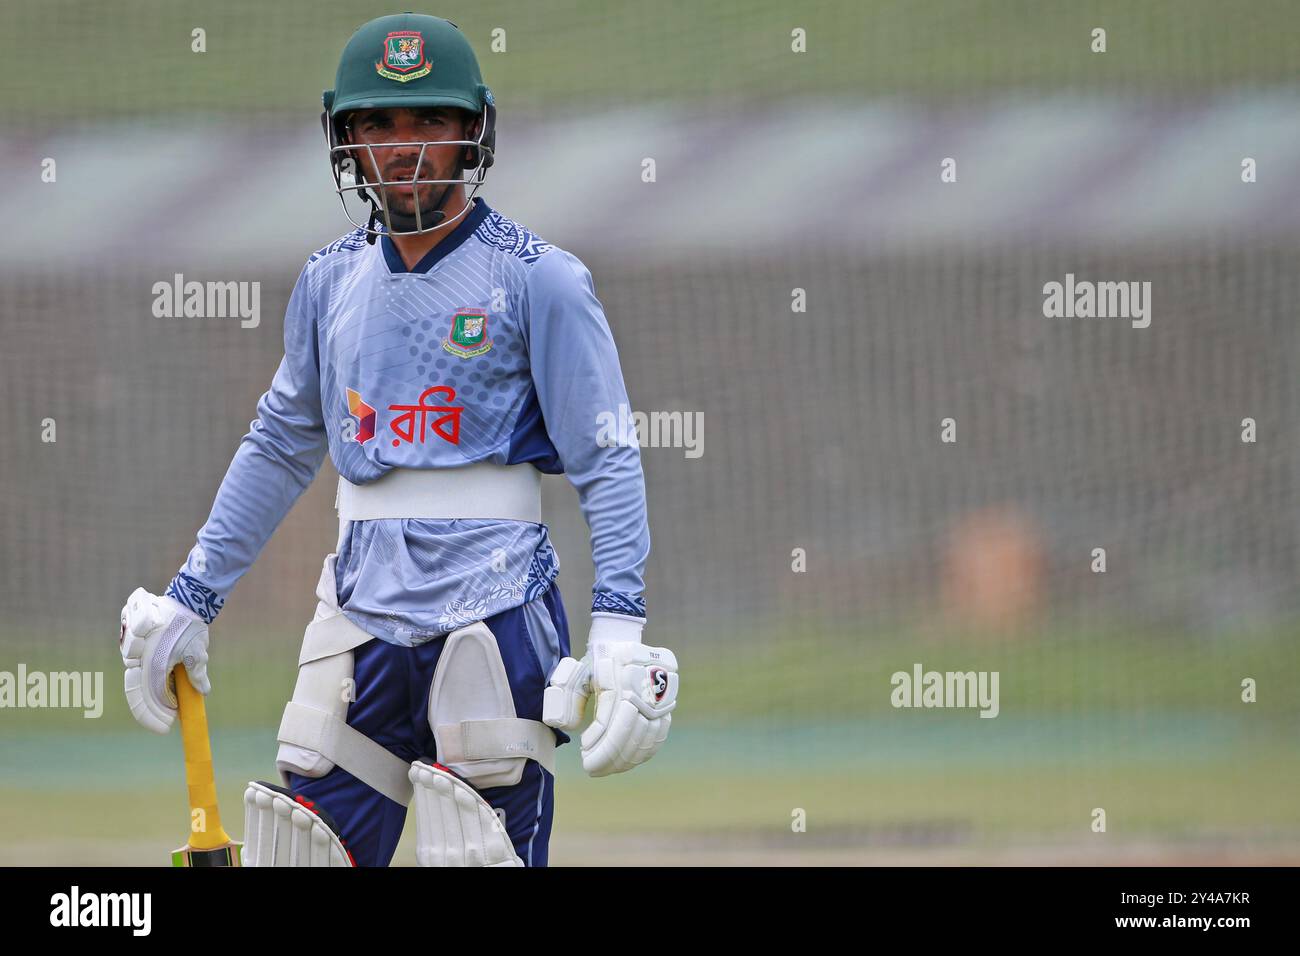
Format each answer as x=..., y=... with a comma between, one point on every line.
x=208, y=844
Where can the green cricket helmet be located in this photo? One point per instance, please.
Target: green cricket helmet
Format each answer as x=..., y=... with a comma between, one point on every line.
x=407, y=60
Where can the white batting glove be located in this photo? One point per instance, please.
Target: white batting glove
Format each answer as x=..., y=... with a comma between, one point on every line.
x=157, y=634
x=636, y=692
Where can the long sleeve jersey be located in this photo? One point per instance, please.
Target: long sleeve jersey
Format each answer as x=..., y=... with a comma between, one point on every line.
x=498, y=338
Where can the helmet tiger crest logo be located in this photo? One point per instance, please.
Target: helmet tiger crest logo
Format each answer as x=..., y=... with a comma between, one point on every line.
x=403, y=58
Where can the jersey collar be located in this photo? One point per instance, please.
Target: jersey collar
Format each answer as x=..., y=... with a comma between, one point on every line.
x=464, y=229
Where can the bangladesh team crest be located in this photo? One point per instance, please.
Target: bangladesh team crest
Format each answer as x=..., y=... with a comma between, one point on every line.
x=403, y=58
x=469, y=335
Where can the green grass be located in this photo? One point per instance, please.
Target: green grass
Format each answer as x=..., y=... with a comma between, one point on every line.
x=137, y=814
x=61, y=58
x=1150, y=728
x=804, y=673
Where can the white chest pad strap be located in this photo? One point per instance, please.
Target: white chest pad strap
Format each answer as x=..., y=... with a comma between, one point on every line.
x=478, y=490
x=472, y=714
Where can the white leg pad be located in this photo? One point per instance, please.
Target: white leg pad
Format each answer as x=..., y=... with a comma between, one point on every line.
x=280, y=831
x=454, y=826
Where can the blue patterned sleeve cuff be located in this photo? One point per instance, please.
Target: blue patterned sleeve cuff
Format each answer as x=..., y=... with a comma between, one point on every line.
x=613, y=602
x=196, y=596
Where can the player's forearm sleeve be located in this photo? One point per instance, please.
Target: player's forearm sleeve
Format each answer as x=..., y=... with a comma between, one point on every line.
x=274, y=464
x=580, y=390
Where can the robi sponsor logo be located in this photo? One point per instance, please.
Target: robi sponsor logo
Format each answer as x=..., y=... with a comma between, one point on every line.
x=446, y=424
x=364, y=414
x=434, y=411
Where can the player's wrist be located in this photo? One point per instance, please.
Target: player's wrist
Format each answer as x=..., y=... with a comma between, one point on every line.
x=193, y=597
x=610, y=628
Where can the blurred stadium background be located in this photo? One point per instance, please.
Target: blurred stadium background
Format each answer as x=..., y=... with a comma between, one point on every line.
x=775, y=170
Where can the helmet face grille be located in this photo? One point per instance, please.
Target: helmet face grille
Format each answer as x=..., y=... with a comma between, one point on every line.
x=365, y=200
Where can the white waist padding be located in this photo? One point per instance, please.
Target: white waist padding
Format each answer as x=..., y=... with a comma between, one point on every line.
x=480, y=490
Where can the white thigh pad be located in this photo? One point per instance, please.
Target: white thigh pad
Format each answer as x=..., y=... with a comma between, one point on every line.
x=472, y=714
x=454, y=826
x=282, y=831
x=325, y=684
x=314, y=735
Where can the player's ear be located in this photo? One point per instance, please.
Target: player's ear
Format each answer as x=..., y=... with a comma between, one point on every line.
x=469, y=130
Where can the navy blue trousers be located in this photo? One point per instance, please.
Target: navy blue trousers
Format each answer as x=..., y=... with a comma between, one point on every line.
x=392, y=708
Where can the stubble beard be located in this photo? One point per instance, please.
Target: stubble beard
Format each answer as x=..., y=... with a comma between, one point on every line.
x=402, y=199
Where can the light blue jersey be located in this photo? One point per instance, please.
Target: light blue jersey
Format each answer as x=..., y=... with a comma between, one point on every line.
x=493, y=349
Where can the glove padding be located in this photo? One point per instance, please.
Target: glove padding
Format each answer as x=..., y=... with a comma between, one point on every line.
x=636, y=691
x=157, y=634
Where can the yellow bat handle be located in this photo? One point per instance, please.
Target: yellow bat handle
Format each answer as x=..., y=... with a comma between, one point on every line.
x=198, y=766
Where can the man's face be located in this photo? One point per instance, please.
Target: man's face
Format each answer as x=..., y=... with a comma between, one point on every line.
x=380, y=128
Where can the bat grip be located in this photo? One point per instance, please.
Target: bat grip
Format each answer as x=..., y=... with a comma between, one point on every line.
x=206, y=831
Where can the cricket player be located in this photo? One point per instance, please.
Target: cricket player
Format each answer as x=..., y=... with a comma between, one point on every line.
x=446, y=358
